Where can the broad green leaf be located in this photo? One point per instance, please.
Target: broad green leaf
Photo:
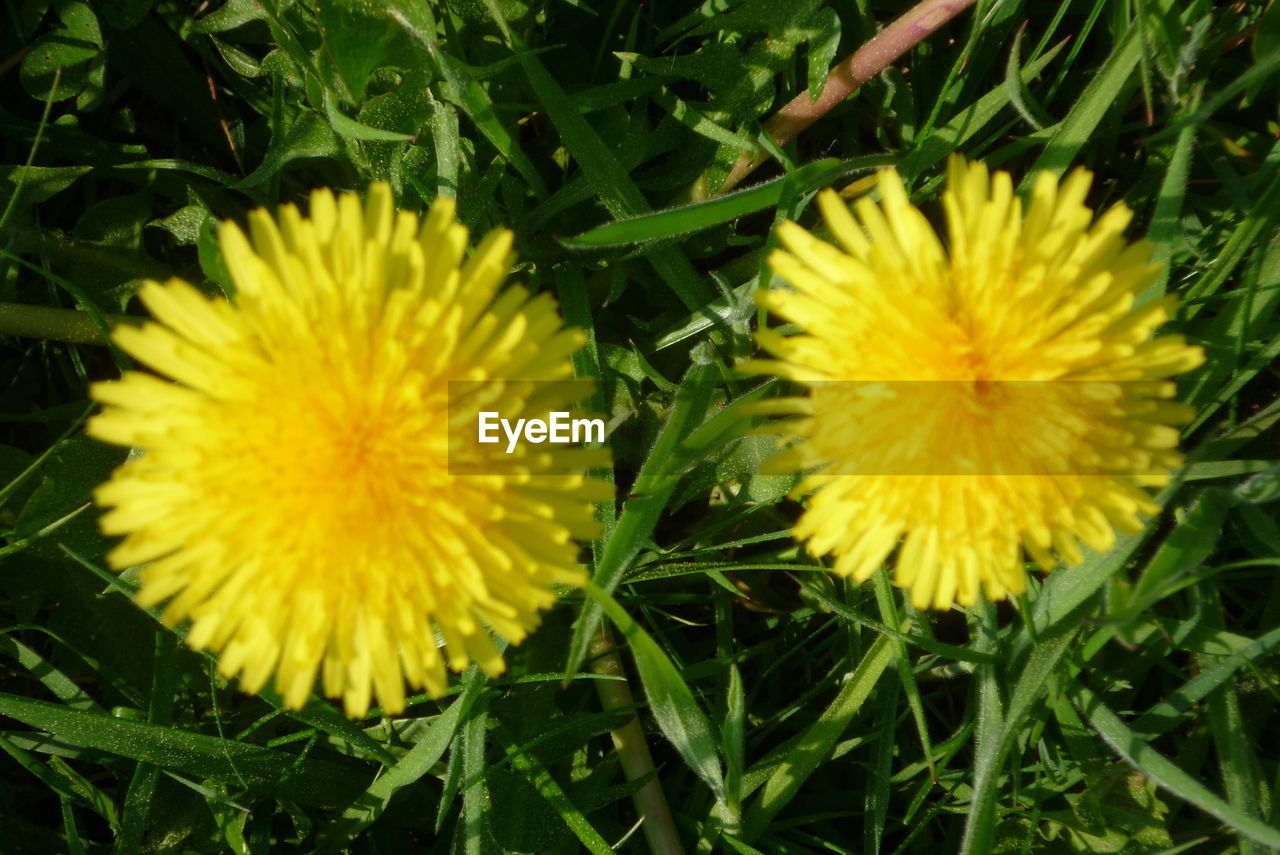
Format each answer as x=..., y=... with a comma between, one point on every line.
x=310, y=136
x=184, y=224
x=228, y=16
x=37, y=183
x=349, y=127
x=68, y=56
x=360, y=37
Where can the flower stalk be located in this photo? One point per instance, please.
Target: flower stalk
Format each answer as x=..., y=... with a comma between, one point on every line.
x=48, y=322
x=866, y=62
x=633, y=752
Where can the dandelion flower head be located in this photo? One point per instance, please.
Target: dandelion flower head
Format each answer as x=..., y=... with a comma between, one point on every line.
x=968, y=404
x=293, y=499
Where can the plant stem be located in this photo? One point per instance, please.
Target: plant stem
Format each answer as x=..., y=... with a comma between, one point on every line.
x=69, y=325
x=866, y=62
x=633, y=752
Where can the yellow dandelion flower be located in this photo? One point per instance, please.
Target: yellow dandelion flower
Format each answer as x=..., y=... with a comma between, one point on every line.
x=294, y=500
x=971, y=402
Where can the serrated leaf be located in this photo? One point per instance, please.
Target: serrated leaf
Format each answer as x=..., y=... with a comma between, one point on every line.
x=310, y=136
x=349, y=127
x=184, y=224
x=360, y=37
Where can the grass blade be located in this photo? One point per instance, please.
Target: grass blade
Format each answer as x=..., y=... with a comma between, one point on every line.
x=721, y=209
x=653, y=488
x=429, y=748
x=807, y=751
x=670, y=700
x=1135, y=751
x=1101, y=95
x=536, y=773
x=309, y=780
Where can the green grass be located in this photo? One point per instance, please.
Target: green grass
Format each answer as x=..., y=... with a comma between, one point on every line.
x=1128, y=705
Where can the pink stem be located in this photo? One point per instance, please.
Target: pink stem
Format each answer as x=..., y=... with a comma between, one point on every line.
x=866, y=62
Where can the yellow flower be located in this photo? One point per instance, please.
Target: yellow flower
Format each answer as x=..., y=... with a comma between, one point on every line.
x=970, y=402
x=293, y=499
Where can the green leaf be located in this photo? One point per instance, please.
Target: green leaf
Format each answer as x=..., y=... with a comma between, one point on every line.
x=309, y=136
x=1261, y=488
x=1266, y=38
x=461, y=89
x=37, y=183
x=349, y=127
x=720, y=209
x=59, y=56
x=649, y=495
x=822, y=48
x=185, y=224
x=1135, y=751
x=311, y=780
x=360, y=37
x=989, y=740
x=537, y=774
x=68, y=479
x=616, y=189
x=999, y=730
x=1100, y=96
x=72, y=57
x=228, y=16
x=947, y=651
x=670, y=700
x=1166, y=714
x=1185, y=549
x=63, y=688
x=804, y=753
x=698, y=122
x=1165, y=219
x=733, y=734
x=428, y=749
x=965, y=124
